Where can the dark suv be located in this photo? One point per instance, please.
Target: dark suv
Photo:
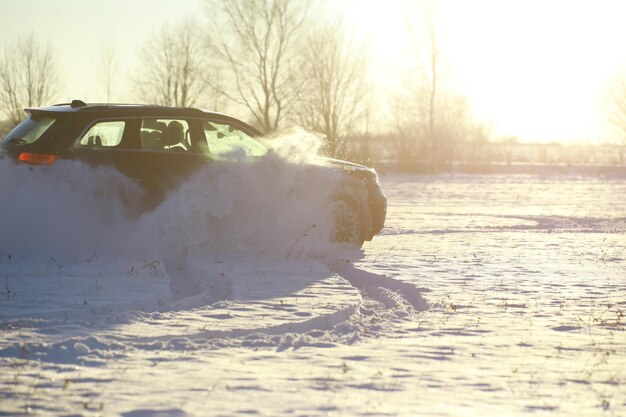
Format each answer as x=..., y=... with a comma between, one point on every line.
x=161, y=146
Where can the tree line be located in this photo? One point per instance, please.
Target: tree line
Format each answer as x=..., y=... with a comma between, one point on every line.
x=282, y=67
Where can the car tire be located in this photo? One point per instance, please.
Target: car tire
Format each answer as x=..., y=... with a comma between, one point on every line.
x=346, y=223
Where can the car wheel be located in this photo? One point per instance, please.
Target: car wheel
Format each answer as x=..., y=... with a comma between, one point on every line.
x=346, y=227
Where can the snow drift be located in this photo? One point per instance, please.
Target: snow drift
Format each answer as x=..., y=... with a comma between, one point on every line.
x=271, y=204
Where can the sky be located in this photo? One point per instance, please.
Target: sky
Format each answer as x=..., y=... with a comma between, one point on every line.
x=536, y=70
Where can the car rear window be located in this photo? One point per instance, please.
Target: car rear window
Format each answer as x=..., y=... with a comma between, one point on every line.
x=29, y=130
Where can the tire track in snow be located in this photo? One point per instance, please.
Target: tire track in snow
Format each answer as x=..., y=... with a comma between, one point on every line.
x=386, y=290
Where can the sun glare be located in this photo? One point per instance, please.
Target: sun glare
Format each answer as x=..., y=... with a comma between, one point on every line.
x=534, y=70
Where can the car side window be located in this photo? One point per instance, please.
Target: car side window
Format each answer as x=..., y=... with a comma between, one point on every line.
x=170, y=135
x=104, y=134
x=225, y=141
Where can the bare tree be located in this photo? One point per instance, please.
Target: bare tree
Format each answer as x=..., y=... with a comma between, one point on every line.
x=331, y=91
x=173, y=67
x=433, y=114
x=617, y=102
x=617, y=98
x=5, y=127
x=425, y=85
x=27, y=77
x=432, y=72
x=254, y=41
x=108, y=68
x=476, y=144
x=617, y=110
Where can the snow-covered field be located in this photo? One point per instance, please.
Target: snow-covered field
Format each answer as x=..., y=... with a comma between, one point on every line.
x=484, y=295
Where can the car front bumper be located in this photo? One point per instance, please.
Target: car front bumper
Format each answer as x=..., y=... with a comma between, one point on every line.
x=377, y=206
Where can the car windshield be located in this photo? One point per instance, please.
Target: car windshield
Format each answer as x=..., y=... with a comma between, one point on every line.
x=29, y=130
x=228, y=142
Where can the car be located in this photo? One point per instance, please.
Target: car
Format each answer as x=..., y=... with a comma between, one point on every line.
x=160, y=146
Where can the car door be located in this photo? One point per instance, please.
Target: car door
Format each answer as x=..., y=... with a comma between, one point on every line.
x=104, y=142
x=164, y=157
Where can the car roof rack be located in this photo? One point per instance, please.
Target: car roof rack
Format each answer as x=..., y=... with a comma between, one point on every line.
x=80, y=105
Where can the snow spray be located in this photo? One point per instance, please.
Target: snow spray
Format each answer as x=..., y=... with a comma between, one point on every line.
x=278, y=203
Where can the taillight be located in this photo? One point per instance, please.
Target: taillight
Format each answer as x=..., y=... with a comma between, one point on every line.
x=37, y=158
